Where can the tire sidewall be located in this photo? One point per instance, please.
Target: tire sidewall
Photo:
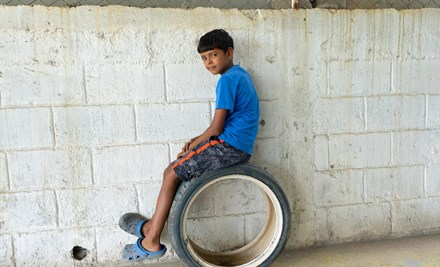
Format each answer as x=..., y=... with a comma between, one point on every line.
x=187, y=190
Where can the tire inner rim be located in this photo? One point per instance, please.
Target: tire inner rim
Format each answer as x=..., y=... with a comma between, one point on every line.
x=255, y=252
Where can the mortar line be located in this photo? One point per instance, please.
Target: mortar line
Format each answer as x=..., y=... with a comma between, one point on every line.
x=426, y=110
x=52, y=127
x=328, y=152
x=365, y=114
x=391, y=149
x=136, y=137
x=391, y=78
x=424, y=181
x=138, y=197
x=165, y=83
x=328, y=78
x=96, y=244
x=85, y=84
x=57, y=207
x=391, y=217
x=8, y=175
x=364, y=177
x=92, y=169
x=14, y=260
x=173, y=102
x=169, y=152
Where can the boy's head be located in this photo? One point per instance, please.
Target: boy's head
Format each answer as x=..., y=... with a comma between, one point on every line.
x=215, y=39
x=216, y=49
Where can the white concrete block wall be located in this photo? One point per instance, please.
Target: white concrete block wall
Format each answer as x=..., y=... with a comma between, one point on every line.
x=379, y=174
x=96, y=101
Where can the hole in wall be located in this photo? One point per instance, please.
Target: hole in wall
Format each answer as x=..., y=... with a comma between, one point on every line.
x=79, y=253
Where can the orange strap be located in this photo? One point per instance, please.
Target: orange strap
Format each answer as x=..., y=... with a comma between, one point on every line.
x=198, y=151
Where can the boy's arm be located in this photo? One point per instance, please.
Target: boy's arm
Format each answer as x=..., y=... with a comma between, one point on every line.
x=215, y=129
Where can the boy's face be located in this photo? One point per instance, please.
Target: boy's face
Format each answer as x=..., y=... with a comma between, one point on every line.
x=217, y=61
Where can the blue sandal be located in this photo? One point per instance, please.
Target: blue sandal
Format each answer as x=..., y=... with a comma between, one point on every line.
x=132, y=223
x=135, y=252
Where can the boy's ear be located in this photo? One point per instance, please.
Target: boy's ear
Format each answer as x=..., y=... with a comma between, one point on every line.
x=230, y=53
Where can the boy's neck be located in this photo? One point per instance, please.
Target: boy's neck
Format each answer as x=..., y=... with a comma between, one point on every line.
x=230, y=65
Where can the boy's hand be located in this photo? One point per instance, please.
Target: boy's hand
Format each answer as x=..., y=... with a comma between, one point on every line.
x=185, y=148
x=187, y=144
x=181, y=154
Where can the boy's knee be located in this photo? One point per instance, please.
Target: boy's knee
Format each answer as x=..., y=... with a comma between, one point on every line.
x=170, y=174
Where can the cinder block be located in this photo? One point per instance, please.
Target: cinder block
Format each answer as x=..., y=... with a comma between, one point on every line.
x=268, y=152
x=204, y=204
x=129, y=164
x=395, y=112
x=182, y=44
x=429, y=33
x=433, y=111
x=253, y=224
x=13, y=54
x=265, y=44
x=270, y=87
x=386, y=34
x=26, y=212
x=360, y=151
x=417, y=76
x=6, y=251
x=26, y=128
x=217, y=233
x=189, y=82
x=54, y=248
x=416, y=147
x=44, y=169
x=4, y=181
x=172, y=122
x=320, y=149
x=410, y=40
x=359, y=78
x=363, y=35
x=432, y=178
x=42, y=85
x=123, y=83
x=270, y=119
x=95, y=206
x=414, y=216
x=338, y=115
x=359, y=222
x=148, y=194
x=112, y=46
x=336, y=188
x=94, y=125
x=387, y=184
x=234, y=197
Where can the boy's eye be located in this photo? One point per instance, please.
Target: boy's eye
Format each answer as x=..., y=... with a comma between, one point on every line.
x=213, y=55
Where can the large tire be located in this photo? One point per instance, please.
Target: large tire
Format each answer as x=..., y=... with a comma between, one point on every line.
x=262, y=250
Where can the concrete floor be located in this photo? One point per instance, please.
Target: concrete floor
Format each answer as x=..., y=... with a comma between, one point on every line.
x=411, y=252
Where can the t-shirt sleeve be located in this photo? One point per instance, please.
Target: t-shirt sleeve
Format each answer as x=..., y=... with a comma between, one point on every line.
x=225, y=94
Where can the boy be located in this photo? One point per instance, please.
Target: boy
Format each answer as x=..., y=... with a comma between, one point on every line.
x=227, y=141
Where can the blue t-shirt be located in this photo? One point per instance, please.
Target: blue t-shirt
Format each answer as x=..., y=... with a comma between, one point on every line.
x=236, y=93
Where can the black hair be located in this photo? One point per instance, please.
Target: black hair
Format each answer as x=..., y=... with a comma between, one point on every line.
x=218, y=38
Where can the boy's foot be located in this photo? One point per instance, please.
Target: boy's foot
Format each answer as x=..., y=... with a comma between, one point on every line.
x=135, y=252
x=132, y=223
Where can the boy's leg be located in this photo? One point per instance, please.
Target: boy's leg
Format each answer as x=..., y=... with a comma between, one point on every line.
x=153, y=229
x=209, y=155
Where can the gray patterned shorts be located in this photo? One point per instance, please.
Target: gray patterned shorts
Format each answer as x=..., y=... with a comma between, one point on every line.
x=209, y=155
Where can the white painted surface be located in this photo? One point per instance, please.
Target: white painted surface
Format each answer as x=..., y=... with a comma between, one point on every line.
x=95, y=101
